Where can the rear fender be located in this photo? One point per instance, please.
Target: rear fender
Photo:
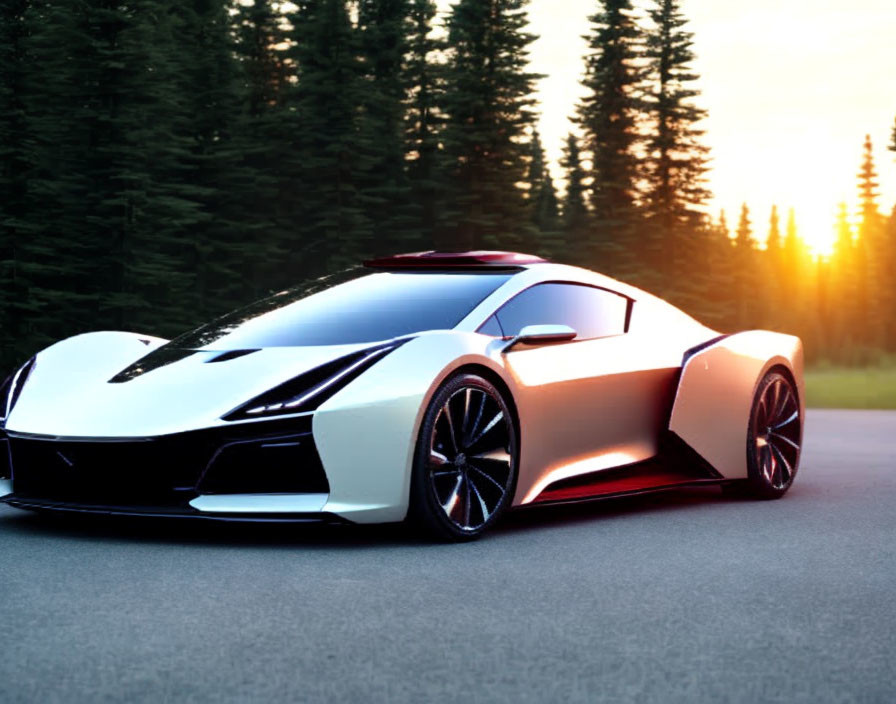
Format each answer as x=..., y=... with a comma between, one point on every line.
x=711, y=411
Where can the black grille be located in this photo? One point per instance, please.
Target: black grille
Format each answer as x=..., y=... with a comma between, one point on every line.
x=171, y=469
x=284, y=464
x=136, y=472
x=5, y=467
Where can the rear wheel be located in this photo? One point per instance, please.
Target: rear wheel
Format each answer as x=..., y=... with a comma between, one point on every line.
x=774, y=437
x=465, y=464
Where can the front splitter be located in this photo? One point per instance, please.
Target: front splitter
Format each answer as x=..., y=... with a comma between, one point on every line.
x=62, y=507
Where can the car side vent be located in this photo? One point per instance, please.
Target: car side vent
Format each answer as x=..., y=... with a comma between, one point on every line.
x=227, y=356
x=307, y=391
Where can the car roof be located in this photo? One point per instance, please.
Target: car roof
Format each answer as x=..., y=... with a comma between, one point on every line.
x=470, y=260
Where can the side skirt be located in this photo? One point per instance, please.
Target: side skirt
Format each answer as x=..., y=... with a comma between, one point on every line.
x=676, y=466
x=539, y=502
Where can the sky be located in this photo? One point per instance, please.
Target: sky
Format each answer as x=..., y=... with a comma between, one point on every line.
x=791, y=87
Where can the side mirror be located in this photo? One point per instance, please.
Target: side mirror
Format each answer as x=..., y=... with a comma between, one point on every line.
x=541, y=334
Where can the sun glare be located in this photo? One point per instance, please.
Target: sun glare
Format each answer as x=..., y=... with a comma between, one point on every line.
x=787, y=115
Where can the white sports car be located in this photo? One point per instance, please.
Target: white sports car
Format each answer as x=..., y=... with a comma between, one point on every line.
x=442, y=388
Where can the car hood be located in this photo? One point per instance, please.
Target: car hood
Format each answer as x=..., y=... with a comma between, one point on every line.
x=86, y=386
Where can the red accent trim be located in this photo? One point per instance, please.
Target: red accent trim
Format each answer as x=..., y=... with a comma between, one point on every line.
x=433, y=259
x=614, y=481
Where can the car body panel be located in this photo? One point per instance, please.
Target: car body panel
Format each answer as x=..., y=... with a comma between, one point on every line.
x=715, y=395
x=69, y=394
x=584, y=407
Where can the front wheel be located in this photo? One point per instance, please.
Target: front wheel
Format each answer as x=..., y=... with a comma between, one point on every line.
x=774, y=437
x=465, y=464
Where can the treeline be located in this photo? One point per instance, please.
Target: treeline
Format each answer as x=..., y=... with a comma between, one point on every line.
x=162, y=161
x=843, y=304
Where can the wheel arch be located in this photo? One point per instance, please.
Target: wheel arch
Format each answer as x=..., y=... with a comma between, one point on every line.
x=493, y=377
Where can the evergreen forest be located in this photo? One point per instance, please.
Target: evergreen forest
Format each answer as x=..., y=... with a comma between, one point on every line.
x=165, y=161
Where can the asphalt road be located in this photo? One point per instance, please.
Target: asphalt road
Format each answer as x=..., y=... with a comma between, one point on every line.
x=681, y=597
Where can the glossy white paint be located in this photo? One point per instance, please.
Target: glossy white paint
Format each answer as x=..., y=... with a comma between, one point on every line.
x=583, y=406
x=716, y=391
x=369, y=467
x=68, y=394
x=259, y=503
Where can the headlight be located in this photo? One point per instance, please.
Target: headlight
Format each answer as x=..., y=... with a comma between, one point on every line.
x=12, y=387
x=307, y=391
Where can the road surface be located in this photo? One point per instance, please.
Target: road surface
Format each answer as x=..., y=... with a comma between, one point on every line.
x=680, y=597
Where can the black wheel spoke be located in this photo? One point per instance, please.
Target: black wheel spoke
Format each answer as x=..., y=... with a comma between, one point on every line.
x=793, y=416
x=776, y=423
x=487, y=429
x=786, y=469
x=482, y=506
x=790, y=442
x=488, y=477
x=469, y=463
x=452, y=432
x=474, y=427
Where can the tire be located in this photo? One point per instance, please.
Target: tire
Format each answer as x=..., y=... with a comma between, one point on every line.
x=773, y=438
x=465, y=464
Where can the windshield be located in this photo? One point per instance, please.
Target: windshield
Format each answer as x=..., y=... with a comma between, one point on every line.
x=352, y=307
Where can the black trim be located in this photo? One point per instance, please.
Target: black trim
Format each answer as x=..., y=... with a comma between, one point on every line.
x=676, y=452
x=5, y=457
x=158, y=358
x=628, y=310
x=184, y=511
x=702, y=346
x=227, y=356
x=9, y=394
x=317, y=378
x=167, y=470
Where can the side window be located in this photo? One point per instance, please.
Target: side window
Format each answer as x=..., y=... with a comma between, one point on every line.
x=491, y=327
x=591, y=312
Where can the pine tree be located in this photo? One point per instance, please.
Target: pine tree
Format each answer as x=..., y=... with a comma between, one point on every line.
x=264, y=136
x=676, y=162
x=261, y=43
x=871, y=256
x=13, y=177
x=892, y=146
x=841, y=316
x=869, y=213
x=210, y=82
x=773, y=242
x=109, y=138
x=542, y=203
x=335, y=230
x=383, y=29
x=746, y=284
x=575, y=211
x=424, y=79
x=607, y=116
x=717, y=305
x=772, y=272
x=488, y=106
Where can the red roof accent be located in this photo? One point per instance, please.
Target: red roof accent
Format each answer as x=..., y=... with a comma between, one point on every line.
x=453, y=260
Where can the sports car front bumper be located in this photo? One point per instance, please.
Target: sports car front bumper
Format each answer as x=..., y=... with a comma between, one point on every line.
x=251, y=471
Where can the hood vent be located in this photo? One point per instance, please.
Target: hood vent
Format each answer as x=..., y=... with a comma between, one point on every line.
x=227, y=356
x=160, y=357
